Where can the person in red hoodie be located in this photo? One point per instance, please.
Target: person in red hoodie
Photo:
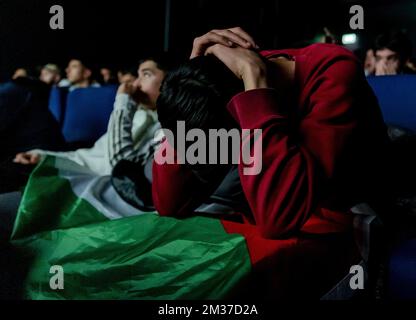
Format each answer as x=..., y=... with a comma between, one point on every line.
x=323, y=135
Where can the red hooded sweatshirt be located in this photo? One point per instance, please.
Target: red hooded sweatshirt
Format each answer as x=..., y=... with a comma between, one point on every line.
x=321, y=151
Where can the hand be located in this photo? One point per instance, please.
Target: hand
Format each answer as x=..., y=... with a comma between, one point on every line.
x=27, y=158
x=128, y=88
x=132, y=90
x=383, y=69
x=226, y=37
x=245, y=64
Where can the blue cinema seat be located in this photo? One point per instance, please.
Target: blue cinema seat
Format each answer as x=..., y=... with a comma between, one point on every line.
x=397, y=98
x=402, y=271
x=57, y=103
x=87, y=113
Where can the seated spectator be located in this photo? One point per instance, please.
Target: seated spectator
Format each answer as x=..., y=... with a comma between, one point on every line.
x=130, y=137
x=79, y=73
x=392, y=52
x=132, y=117
x=126, y=75
x=107, y=76
x=25, y=124
x=323, y=134
x=50, y=74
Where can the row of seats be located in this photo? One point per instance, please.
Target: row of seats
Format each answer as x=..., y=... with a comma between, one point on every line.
x=82, y=113
x=397, y=98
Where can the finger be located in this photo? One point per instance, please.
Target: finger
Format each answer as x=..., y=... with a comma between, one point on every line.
x=21, y=158
x=216, y=37
x=245, y=36
x=215, y=49
x=235, y=39
x=208, y=39
x=224, y=54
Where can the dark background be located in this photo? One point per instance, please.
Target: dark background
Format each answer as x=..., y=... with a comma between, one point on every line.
x=118, y=33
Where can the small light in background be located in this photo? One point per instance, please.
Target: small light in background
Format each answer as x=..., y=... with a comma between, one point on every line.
x=349, y=38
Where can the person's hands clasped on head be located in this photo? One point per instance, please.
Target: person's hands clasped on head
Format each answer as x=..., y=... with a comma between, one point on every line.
x=232, y=37
x=321, y=130
x=238, y=51
x=244, y=63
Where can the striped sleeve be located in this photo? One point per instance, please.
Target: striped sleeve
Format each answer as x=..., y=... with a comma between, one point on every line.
x=120, y=140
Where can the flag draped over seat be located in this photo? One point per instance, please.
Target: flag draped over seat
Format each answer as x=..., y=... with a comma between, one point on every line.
x=71, y=218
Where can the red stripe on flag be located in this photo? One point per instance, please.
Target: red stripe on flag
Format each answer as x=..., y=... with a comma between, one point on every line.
x=258, y=247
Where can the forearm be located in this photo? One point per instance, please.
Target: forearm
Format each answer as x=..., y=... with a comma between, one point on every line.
x=255, y=77
x=120, y=139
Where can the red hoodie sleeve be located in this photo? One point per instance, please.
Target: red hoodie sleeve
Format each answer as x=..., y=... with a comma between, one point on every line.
x=176, y=189
x=294, y=168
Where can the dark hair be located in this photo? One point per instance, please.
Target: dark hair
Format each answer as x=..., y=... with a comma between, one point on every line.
x=197, y=92
x=396, y=41
x=89, y=63
x=164, y=61
x=128, y=70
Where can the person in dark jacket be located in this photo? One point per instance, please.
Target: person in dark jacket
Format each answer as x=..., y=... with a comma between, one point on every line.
x=25, y=124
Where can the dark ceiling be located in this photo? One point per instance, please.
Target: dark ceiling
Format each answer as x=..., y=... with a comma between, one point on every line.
x=119, y=32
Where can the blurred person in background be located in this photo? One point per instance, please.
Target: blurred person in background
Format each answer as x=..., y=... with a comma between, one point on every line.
x=128, y=127
x=130, y=137
x=126, y=75
x=107, y=76
x=25, y=123
x=80, y=74
x=50, y=74
x=392, y=51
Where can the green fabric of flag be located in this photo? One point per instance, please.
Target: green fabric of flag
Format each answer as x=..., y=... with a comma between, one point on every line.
x=142, y=256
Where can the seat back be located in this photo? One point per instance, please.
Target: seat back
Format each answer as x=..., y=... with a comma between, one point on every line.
x=87, y=113
x=402, y=271
x=397, y=98
x=57, y=103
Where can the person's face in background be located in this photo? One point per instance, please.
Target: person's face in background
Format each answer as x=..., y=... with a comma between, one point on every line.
x=106, y=74
x=387, y=62
x=148, y=82
x=369, y=62
x=19, y=73
x=49, y=77
x=77, y=73
x=125, y=77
